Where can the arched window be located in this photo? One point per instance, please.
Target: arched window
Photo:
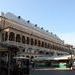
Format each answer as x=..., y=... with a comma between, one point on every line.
x=32, y=57
x=23, y=39
x=45, y=45
x=18, y=38
x=41, y=52
x=27, y=40
x=52, y=46
x=6, y=36
x=47, y=53
x=2, y=36
x=27, y=56
x=42, y=44
x=23, y=50
x=39, y=43
x=12, y=36
x=32, y=42
x=35, y=42
x=48, y=45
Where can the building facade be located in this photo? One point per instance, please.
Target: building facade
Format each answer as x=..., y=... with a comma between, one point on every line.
x=27, y=39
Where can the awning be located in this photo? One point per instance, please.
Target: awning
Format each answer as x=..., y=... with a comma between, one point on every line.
x=66, y=57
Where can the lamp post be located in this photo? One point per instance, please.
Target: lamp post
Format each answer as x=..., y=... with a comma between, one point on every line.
x=9, y=53
x=71, y=59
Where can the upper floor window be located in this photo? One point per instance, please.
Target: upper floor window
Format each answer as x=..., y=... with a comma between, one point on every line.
x=2, y=36
x=48, y=45
x=12, y=36
x=39, y=43
x=27, y=40
x=42, y=44
x=32, y=42
x=6, y=36
x=23, y=39
x=18, y=38
x=35, y=42
x=45, y=45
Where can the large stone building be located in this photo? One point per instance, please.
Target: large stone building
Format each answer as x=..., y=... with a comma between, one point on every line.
x=24, y=38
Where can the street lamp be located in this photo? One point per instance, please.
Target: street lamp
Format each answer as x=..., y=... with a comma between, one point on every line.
x=71, y=59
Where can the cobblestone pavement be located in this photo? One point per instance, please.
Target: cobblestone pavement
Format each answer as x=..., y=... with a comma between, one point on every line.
x=52, y=72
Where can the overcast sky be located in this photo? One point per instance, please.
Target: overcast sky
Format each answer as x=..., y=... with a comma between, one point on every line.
x=57, y=16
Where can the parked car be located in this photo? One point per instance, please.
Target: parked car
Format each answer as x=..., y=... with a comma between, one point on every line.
x=73, y=66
